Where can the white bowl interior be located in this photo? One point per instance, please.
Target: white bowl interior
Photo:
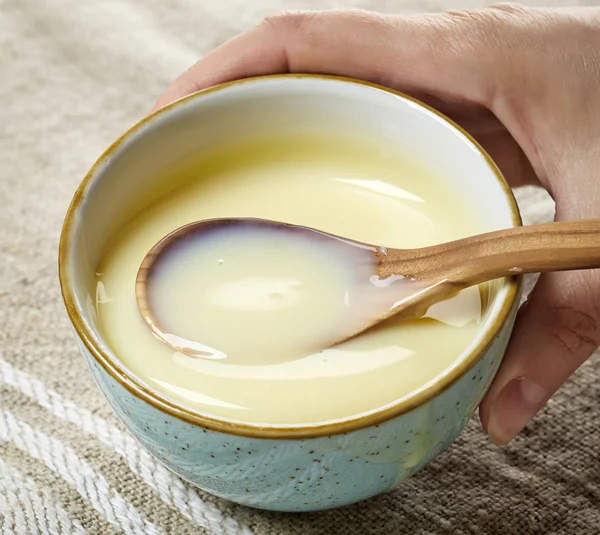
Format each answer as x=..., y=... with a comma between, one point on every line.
x=130, y=174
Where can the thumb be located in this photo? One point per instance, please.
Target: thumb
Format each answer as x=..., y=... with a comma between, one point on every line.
x=420, y=53
x=556, y=331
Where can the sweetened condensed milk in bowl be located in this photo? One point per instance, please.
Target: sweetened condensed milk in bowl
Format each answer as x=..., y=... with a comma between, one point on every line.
x=261, y=414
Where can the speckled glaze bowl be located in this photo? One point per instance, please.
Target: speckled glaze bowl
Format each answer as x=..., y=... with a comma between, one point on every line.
x=284, y=468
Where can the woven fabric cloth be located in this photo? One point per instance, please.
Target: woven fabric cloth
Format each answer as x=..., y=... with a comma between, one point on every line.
x=75, y=74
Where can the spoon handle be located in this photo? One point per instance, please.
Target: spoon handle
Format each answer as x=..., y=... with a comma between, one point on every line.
x=530, y=249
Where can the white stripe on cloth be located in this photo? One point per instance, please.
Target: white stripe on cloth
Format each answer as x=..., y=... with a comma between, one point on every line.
x=171, y=489
x=29, y=509
x=64, y=462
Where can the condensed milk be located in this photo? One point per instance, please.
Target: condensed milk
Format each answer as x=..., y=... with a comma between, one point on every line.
x=260, y=306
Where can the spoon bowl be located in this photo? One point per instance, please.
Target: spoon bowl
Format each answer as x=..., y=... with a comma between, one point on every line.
x=347, y=284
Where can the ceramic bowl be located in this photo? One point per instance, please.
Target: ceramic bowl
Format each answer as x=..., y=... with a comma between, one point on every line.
x=285, y=468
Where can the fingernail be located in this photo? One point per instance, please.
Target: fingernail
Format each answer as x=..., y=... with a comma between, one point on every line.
x=518, y=402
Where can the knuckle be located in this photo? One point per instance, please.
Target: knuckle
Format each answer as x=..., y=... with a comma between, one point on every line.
x=305, y=22
x=494, y=18
x=285, y=22
x=509, y=8
x=467, y=30
x=576, y=329
x=304, y=33
x=291, y=30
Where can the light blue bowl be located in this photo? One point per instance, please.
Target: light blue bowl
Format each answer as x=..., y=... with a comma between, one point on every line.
x=285, y=468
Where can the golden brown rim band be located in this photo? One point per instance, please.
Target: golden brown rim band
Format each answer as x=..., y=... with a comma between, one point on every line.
x=138, y=389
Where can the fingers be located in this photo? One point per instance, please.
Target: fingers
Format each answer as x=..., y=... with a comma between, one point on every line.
x=556, y=331
x=454, y=51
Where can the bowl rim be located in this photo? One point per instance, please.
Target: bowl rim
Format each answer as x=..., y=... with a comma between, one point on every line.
x=137, y=388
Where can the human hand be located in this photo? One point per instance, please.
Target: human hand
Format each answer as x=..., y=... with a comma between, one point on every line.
x=524, y=82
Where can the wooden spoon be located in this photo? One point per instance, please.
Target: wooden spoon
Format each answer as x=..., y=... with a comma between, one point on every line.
x=441, y=270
